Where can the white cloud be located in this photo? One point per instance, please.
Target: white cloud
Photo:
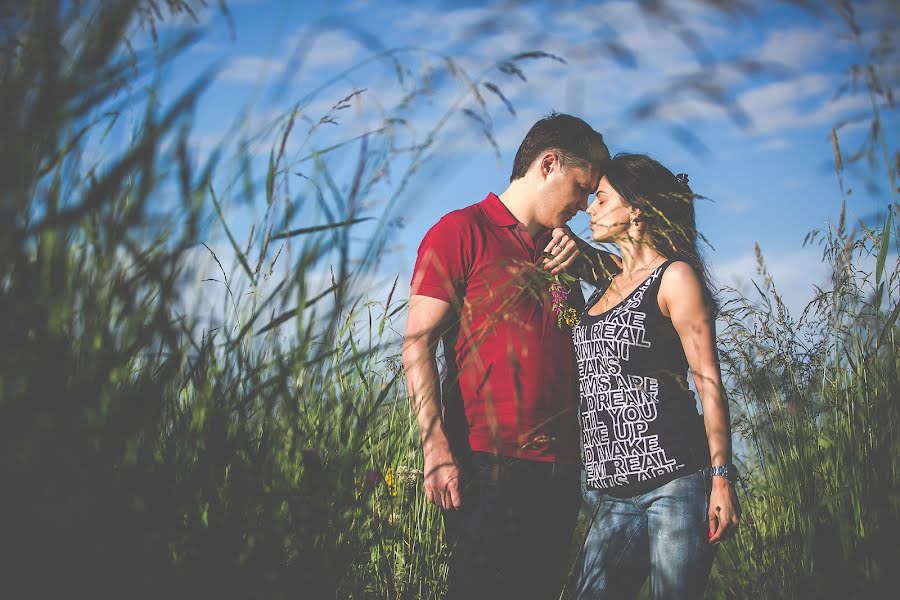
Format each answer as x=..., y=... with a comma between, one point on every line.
x=207, y=47
x=332, y=48
x=776, y=143
x=773, y=96
x=464, y=135
x=655, y=47
x=251, y=69
x=795, y=47
x=467, y=23
x=796, y=104
x=737, y=206
x=796, y=183
x=593, y=83
x=311, y=50
x=795, y=274
x=682, y=109
x=452, y=20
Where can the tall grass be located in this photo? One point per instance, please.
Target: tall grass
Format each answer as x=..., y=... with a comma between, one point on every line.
x=147, y=452
x=815, y=406
x=815, y=403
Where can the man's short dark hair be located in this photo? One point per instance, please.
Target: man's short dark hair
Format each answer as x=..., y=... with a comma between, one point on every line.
x=574, y=141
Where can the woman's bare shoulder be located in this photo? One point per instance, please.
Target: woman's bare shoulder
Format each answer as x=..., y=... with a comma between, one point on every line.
x=679, y=273
x=679, y=285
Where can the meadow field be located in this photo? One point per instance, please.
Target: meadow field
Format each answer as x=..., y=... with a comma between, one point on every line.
x=147, y=453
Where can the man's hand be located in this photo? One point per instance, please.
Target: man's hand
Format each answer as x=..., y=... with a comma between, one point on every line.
x=579, y=258
x=442, y=478
x=724, y=510
x=563, y=248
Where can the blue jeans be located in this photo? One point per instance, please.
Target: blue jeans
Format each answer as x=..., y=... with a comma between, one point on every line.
x=511, y=536
x=663, y=533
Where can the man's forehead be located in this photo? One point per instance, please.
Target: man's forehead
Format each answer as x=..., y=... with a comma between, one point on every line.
x=588, y=177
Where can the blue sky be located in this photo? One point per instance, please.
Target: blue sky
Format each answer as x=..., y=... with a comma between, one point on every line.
x=767, y=164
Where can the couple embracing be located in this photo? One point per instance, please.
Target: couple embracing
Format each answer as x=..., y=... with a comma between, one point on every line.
x=535, y=413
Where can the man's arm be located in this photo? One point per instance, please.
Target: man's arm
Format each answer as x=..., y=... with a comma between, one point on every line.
x=579, y=258
x=427, y=320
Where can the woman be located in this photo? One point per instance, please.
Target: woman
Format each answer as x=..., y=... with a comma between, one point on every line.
x=659, y=475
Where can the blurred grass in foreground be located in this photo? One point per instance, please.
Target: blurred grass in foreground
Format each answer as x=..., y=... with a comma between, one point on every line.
x=144, y=453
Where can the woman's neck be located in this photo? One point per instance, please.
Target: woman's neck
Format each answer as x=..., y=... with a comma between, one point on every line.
x=637, y=256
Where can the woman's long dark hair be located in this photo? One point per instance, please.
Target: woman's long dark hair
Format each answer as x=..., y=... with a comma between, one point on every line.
x=666, y=203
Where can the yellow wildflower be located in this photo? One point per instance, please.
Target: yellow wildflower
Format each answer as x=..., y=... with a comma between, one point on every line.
x=390, y=481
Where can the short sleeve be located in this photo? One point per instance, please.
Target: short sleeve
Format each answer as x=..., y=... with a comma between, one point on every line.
x=443, y=260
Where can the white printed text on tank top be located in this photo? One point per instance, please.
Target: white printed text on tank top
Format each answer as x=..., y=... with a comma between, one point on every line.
x=626, y=453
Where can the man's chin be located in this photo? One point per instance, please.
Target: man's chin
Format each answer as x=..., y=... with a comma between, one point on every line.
x=561, y=221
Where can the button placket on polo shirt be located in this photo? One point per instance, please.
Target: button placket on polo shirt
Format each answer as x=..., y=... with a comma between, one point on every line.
x=530, y=248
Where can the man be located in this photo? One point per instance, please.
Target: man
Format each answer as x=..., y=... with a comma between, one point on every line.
x=500, y=441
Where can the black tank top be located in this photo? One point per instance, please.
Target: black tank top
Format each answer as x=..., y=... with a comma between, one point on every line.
x=639, y=423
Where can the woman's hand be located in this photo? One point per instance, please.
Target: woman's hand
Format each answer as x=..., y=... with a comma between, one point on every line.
x=563, y=248
x=724, y=510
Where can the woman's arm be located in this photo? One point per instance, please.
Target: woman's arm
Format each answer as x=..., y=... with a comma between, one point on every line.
x=681, y=299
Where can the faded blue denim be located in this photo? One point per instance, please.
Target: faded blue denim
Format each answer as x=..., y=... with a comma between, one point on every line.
x=663, y=533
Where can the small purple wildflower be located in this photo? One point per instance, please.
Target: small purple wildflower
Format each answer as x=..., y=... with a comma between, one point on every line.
x=372, y=479
x=564, y=313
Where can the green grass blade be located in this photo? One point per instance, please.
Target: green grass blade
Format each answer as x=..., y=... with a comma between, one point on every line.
x=270, y=178
x=237, y=249
x=883, y=250
x=289, y=314
x=318, y=228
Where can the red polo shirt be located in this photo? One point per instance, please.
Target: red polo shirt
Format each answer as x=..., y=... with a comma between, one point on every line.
x=511, y=385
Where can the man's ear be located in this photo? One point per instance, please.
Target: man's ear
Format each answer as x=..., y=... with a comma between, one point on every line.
x=548, y=162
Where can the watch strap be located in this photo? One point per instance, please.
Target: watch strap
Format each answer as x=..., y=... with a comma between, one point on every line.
x=729, y=472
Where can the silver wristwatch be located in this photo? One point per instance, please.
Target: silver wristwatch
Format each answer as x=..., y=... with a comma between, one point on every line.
x=729, y=472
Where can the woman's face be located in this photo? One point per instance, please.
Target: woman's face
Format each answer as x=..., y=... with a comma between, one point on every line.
x=610, y=216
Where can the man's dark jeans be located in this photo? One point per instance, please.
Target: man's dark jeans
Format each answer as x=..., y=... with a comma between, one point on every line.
x=512, y=535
